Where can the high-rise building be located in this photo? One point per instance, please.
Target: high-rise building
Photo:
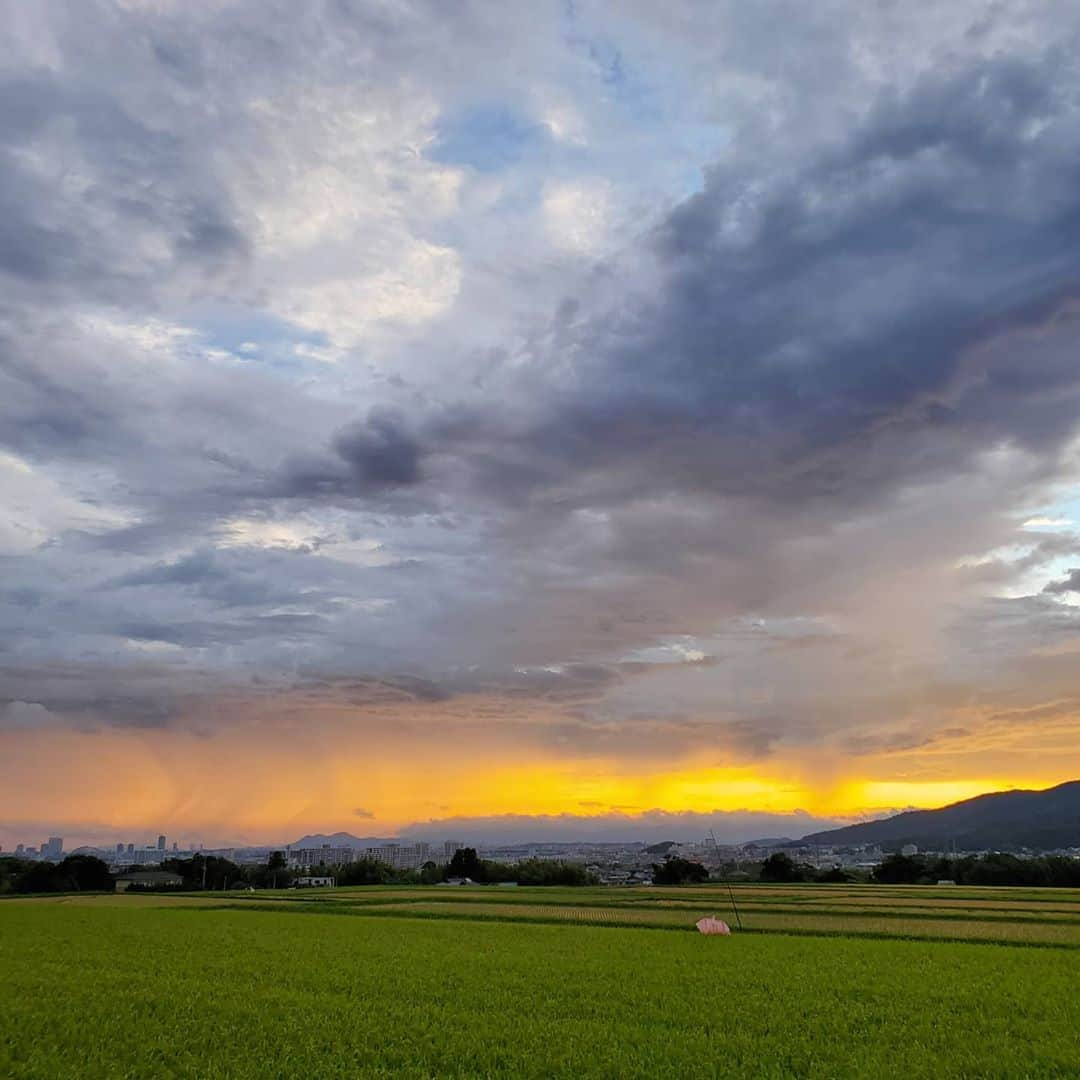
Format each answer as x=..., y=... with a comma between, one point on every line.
x=119, y=849
x=161, y=843
x=53, y=848
x=131, y=849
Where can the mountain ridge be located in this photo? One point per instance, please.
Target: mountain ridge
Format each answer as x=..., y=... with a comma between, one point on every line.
x=1020, y=818
x=341, y=839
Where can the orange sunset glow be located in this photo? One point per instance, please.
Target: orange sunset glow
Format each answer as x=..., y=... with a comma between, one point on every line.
x=188, y=786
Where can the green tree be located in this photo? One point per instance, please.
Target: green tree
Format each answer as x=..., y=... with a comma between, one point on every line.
x=779, y=866
x=1001, y=869
x=11, y=871
x=834, y=876
x=38, y=877
x=204, y=871
x=466, y=863
x=431, y=873
x=900, y=869
x=676, y=871
x=84, y=873
x=275, y=865
x=547, y=872
x=366, y=872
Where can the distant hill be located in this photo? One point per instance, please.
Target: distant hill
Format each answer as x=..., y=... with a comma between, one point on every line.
x=1003, y=820
x=661, y=848
x=340, y=839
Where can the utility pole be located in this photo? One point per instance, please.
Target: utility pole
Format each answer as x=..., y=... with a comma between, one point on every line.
x=731, y=891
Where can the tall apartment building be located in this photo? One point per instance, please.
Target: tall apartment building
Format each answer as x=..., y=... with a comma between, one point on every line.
x=401, y=856
x=320, y=856
x=53, y=848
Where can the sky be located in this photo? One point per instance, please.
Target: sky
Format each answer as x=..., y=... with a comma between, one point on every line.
x=571, y=419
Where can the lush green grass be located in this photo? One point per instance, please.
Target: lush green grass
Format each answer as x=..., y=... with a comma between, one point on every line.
x=175, y=987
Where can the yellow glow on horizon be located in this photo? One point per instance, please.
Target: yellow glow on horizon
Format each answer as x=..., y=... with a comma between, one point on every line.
x=233, y=789
x=562, y=787
x=923, y=794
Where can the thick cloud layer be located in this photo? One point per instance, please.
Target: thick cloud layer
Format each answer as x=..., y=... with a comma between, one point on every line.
x=612, y=387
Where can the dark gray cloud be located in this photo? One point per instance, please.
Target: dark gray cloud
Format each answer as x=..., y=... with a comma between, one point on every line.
x=115, y=699
x=814, y=346
x=194, y=569
x=900, y=740
x=300, y=402
x=1068, y=584
x=847, y=331
x=145, y=188
x=366, y=458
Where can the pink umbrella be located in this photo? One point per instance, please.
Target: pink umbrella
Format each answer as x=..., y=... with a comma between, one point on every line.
x=713, y=926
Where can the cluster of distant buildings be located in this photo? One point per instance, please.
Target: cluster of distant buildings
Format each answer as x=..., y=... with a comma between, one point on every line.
x=612, y=863
x=124, y=854
x=406, y=856
x=400, y=856
x=51, y=850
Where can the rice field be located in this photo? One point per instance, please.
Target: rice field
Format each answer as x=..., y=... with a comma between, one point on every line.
x=823, y=981
x=1031, y=916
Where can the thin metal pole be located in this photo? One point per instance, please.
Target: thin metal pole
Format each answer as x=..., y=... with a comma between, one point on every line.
x=731, y=893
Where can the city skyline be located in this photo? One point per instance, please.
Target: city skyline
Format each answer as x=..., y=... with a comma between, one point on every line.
x=730, y=828
x=570, y=419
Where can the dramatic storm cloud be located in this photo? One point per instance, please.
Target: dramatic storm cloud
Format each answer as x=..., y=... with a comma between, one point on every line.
x=557, y=417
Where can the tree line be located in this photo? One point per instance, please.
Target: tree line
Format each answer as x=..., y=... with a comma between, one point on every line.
x=897, y=869
x=779, y=866
x=465, y=864
x=996, y=868
x=87, y=873
x=76, y=873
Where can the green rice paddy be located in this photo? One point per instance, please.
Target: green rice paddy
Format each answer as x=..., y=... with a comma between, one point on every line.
x=823, y=981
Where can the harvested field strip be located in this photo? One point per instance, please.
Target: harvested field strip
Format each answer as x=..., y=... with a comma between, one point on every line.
x=836, y=923
x=838, y=911
x=697, y=903
x=953, y=929
x=127, y=900
x=926, y=911
x=803, y=894
x=914, y=895
x=861, y=903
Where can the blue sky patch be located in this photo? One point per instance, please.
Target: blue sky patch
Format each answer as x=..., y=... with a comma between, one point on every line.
x=488, y=138
x=256, y=336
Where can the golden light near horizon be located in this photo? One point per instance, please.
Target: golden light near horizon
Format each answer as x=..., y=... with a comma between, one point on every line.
x=269, y=794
